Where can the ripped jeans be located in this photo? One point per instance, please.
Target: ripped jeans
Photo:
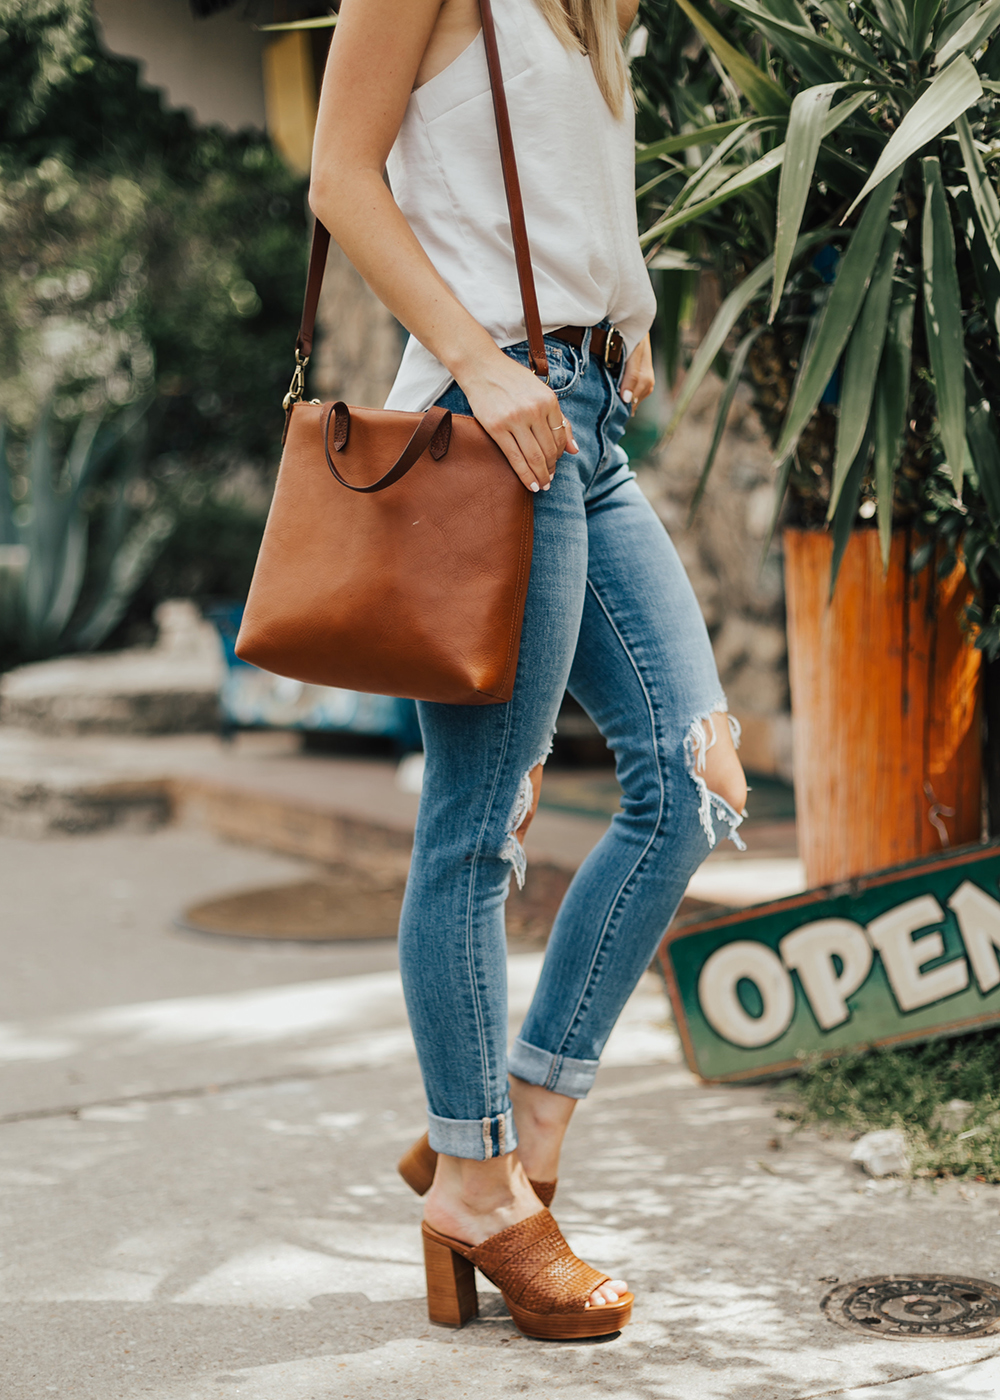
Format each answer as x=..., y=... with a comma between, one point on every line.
x=611, y=617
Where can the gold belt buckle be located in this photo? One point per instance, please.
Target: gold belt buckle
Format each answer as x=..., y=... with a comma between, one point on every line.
x=612, y=332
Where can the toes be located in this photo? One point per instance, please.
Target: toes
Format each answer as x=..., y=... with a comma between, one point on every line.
x=608, y=1292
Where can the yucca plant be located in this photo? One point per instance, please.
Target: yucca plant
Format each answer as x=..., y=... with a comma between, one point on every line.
x=835, y=166
x=72, y=552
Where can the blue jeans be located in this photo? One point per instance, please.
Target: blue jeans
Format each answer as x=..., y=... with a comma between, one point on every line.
x=611, y=617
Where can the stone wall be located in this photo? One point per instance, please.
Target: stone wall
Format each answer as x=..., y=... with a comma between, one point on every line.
x=359, y=342
x=741, y=594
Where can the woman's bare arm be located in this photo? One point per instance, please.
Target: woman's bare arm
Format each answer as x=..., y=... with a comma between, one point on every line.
x=374, y=60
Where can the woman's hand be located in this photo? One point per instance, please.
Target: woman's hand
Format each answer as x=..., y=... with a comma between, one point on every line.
x=638, y=380
x=522, y=415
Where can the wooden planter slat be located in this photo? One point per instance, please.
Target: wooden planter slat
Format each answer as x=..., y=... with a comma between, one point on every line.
x=885, y=703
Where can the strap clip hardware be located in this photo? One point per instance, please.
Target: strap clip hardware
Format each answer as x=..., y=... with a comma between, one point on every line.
x=298, y=385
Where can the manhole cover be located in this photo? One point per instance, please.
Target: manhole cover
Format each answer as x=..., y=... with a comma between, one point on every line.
x=905, y=1306
x=310, y=910
x=350, y=903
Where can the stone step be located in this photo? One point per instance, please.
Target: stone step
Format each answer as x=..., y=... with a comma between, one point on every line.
x=171, y=688
x=261, y=790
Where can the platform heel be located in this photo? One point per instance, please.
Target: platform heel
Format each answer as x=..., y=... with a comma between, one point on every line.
x=545, y=1286
x=452, y=1300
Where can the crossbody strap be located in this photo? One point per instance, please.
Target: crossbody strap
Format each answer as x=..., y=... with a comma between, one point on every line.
x=515, y=205
x=515, y=209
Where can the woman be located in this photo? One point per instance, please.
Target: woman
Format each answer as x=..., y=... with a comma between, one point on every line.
x=610, y=614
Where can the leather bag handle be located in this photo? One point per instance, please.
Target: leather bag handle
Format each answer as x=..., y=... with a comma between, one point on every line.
x=433, y=431
x=515, y=209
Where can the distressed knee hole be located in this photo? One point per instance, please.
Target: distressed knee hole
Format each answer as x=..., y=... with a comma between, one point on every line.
x=717, y=774
x=525, y=806
x=534, y=778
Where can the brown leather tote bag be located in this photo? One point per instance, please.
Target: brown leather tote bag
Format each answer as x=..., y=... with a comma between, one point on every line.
x=397, y=550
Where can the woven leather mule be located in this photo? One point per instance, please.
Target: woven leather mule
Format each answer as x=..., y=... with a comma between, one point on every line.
x=417, y=1167
x=543, y=1283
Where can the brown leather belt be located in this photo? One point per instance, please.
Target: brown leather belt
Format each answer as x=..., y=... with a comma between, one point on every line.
x=605, y=342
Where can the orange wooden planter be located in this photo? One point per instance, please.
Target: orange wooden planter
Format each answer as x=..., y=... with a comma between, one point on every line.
x=885, y=705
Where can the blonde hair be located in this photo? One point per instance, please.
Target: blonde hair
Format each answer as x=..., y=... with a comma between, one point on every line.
x=591, y=27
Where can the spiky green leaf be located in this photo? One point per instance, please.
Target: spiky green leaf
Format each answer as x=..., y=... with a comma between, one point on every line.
x=45, y=527
x=725, y=319
x=8, y=530
x=893, y=18
x=923, y=13
x=861, y=362
x=943, y=318
x=745, y=179
x=946, y=97
x=806, y=123
x=713, y=172
x=132, y=561
x=892, y=398
x=709, y=135
x=983, y=195
x=847, y=507
x=974, y=32
x=68, y=581
x=736, y=367
x=801, y=39
x=762, y=92
x=982, y=254
x=837, y=13
x=838, y=316
x=983, y=437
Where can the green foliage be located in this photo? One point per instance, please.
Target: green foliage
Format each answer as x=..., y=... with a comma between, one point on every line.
x=837, y=171
x=74, y=552
x=908, y=1089
x=211, y=551
x=143, y=259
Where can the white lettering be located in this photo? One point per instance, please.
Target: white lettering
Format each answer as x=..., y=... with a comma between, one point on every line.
x=722, y=1007
x=979, y=920
x=903, y=955
x=810, y=952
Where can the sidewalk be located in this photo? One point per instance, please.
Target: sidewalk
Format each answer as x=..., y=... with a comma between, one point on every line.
x=199, y=1195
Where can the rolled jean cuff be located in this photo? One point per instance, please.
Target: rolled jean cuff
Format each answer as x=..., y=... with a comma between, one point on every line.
x=475, y=1138
x=559, y=1073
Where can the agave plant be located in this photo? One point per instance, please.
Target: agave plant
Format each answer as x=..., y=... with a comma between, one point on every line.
x=67, y=571
x=835, y=166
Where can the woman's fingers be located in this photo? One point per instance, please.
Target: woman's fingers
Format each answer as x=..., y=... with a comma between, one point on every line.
x=539, y=446
x=551, y=440
x=522, y=467
x=571, y=442
x=523, y=416
x=638, y=381
x=539, y=455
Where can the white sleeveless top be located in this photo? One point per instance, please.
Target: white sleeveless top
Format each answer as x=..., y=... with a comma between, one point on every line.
x=576, y=164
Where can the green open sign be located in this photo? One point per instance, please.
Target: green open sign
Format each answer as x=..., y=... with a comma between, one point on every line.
x=906, y=954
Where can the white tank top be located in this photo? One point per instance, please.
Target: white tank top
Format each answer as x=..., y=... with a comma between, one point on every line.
x=576, y=164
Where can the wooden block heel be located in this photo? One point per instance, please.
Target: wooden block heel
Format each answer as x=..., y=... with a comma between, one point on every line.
x=417, y=1166
x=545, y=1286
x=452, y=1300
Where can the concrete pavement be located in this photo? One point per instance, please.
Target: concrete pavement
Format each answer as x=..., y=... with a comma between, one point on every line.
x=198, y=1195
